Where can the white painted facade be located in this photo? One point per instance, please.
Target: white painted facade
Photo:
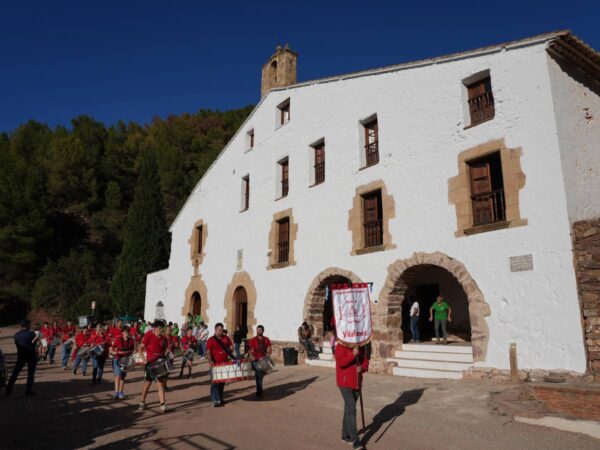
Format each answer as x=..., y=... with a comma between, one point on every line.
x=421, y=117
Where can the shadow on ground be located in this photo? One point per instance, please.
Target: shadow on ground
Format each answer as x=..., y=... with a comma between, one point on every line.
x=389, y=413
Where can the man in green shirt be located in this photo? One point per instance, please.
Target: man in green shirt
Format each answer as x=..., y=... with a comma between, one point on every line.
x=443, y=313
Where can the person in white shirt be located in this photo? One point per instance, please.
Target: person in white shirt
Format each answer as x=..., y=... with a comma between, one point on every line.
x=415, y=311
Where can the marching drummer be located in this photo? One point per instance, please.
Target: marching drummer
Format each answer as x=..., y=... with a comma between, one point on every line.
x=122, y=347
x=81, y=339
x=219, y=349
x=101, y=341
x=260, y=347
x=156, y=346
x=188, y=346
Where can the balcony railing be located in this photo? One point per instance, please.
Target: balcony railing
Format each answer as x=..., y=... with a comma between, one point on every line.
x=373, y=233
x=284, y=188
x=372, y=153
x=284, y=251
x=319, y=172
x=489, y=207
x=481, y=107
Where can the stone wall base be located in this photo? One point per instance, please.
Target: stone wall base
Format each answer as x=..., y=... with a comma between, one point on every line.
x=586, y=245
x=532, y=375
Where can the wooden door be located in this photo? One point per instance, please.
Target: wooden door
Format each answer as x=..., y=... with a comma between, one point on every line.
x=196, y=304
x=481, y=192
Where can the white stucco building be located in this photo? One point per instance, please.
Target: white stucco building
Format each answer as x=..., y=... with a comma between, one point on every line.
x=460, y=175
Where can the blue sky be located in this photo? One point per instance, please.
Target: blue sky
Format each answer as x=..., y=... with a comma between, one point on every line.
x=134, y=59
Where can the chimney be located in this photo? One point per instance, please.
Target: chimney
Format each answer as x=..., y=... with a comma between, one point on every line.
x=279, y=70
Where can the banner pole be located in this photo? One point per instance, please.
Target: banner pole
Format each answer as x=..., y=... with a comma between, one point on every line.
x=362, y=411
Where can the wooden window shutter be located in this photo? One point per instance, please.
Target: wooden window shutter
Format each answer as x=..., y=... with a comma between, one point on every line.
x=481, y=182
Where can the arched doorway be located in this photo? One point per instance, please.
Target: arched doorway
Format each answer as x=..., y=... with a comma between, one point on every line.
x=402, y=275
x=318, y=306
x=196, y=304
x=423, y=284
x=159, y=313
x=240, y=302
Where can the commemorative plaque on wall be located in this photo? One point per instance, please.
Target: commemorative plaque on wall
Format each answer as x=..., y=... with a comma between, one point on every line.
x=521, y=263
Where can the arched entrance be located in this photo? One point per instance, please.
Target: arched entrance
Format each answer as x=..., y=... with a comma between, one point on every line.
x=196, y=304
x=423, y=284
x=412, y=272
x=159, y=313
x=318, y=308
x=240, y=301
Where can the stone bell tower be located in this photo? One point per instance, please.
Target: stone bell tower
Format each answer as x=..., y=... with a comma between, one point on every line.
x=279, y=70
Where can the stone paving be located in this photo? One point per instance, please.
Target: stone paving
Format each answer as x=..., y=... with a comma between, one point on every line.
x=301, y=409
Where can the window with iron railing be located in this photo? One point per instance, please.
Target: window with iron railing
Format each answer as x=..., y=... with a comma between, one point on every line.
x=487, y=190
x=481, y=101
x=371, y=143
x=283, y=244
x=319, y=164
x=488, y=207
x=284, y=177
x=373, y=219
x=373, y=233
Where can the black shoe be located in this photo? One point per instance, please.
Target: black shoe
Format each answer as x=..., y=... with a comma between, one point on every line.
x=357, y=445
x=347, y=439
x=99, y=381
x=74, y=371
x=223, y=402
x=259, y=394
x=30, y=394
x=217, y=405
x=93, y=382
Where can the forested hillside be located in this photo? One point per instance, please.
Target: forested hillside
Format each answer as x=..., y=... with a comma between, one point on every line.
x=65, y=194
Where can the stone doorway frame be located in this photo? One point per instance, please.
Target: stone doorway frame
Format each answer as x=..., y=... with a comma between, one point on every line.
x=196, y=285
x=388, y=319
x=314, y=303
x=240, y=279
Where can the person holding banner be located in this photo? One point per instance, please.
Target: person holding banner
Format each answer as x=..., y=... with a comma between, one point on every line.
x=350, y=364
x=354, y=331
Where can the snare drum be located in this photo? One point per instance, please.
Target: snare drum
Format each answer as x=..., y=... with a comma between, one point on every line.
x=97, y=350
x=159, y=368
x=125, y=363
x=232, y=371
x=265, y=364
x=84, y=352
x=138, y=359
x=188, y=355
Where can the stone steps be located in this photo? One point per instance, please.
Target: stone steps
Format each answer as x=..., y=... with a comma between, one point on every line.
x=432, y=361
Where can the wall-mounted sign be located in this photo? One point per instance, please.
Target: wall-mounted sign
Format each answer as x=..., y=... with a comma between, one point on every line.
x=240, y=259
x=521, y=263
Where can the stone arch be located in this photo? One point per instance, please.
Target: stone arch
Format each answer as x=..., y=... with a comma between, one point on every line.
x=315, y=296
x=198, y=286
x=387, y=321
x=240, y=279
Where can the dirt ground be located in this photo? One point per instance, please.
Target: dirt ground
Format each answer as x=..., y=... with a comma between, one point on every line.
x=301, y=409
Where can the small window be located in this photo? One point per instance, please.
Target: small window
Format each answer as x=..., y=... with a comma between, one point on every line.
x=371, y=143
x=284, y=112
x=284, y=167
x=372, y=219
x=250, y=139
x=283, y=242
x=319, y=150
x=480, y=100
x=487, y=190
x=245, y=193
x=199, y=239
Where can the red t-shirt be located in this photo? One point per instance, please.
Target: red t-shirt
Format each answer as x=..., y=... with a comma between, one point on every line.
x=258, y=348
x=47, y=333
x=69, y=329
x=216, y=351
x=81, y=339
x=188, y=341
x=155, y=346
x=123, y=346
x=114, y=332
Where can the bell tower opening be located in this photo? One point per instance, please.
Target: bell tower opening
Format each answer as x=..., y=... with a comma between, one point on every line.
x=279, y=70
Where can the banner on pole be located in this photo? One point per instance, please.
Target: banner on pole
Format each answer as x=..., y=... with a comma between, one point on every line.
x=352, y=311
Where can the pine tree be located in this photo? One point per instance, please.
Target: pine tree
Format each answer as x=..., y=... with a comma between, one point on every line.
x=146, y=240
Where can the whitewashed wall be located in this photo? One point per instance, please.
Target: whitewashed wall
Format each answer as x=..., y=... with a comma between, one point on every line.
x=577, y=111
x=421, y=121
